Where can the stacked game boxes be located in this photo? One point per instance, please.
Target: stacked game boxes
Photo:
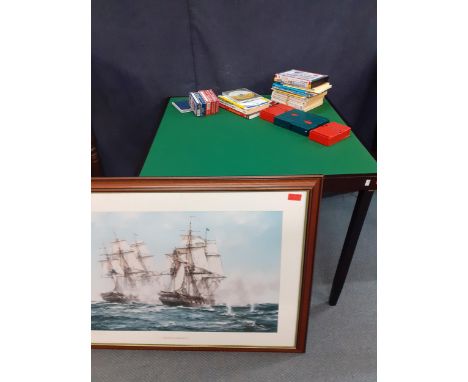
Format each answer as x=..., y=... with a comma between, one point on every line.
x=204, y=102
x=300, y=90
x=316, y=127
x=243, y=102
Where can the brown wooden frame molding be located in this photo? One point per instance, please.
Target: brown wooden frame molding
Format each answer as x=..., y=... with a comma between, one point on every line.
x=311, y=184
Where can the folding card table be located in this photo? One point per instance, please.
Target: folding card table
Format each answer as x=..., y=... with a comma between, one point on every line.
x=225, y=144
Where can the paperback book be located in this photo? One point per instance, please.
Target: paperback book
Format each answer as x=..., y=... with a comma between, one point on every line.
x=244, y=98
x=300, y=78
x=301, y=90
x=243, y=102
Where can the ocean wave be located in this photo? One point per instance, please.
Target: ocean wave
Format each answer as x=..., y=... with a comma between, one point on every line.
x=217, y=318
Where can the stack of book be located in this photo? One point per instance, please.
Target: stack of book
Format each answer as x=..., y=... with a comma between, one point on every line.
x=243, y=102
x=203, y=102
x=300, y=90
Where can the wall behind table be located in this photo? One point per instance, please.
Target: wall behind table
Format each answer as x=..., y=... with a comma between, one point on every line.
x=145, y=51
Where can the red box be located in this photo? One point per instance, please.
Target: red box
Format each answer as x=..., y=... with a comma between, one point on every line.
x=270, y=113
x=330, y=133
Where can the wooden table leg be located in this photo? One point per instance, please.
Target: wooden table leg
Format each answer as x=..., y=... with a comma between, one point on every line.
x=357, y=220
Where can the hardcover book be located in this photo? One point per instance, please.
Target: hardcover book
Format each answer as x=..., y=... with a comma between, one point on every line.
x=237, y=112
x=244, y=98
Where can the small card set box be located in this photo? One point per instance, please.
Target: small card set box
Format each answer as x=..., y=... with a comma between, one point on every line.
x=269, y=114
x=330, y=133
x=299, y=121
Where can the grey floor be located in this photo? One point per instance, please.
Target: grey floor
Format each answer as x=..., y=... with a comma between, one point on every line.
x=341, y=344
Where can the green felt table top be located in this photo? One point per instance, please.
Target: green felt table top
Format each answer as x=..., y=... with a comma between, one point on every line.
x=225, y=144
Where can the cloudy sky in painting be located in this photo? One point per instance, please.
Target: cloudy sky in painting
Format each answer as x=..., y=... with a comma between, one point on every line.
x=249, y=243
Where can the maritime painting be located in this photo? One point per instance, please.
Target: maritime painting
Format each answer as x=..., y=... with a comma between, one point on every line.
x=208, y=271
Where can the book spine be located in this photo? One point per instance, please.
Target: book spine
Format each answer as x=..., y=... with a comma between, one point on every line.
x=301, y=82
x=235, y=108
x=228, y=100
x=293, y=90
x=294, y=82
x=223, y=106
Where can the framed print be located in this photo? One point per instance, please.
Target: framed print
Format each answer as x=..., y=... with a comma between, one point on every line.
x=203, y=263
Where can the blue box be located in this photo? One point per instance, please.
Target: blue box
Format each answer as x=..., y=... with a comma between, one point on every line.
x=299, y=121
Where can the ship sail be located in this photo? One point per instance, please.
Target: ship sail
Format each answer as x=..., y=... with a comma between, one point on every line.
x=214, y=258
x=195, y=241
x=212, y=248
x=181, y=254
x=134, y=262
x=106, y=268
x=141, y=247
x=214, y=264
x=199, y=257
x=120, y=246
x=148, y=262
x=117, y=265
x=179, y=277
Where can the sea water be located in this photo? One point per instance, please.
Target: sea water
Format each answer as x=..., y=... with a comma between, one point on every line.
x=218, y=318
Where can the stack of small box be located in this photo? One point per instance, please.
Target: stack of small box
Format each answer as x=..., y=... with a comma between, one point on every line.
x=316, y=127
x=301, y=90
x=204, y=102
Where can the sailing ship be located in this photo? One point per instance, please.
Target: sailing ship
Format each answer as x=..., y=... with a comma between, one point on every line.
x=128, y=266
x=195, y=273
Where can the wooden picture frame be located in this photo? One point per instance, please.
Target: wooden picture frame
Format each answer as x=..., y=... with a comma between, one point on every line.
x=243, y=206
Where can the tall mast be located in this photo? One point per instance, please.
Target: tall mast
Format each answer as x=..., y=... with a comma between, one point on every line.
x=108, y=259
x=140, y=257
x=123, y=262
x=190, y=281
x=189, y=244
x=206, y=241
x=111, y=270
